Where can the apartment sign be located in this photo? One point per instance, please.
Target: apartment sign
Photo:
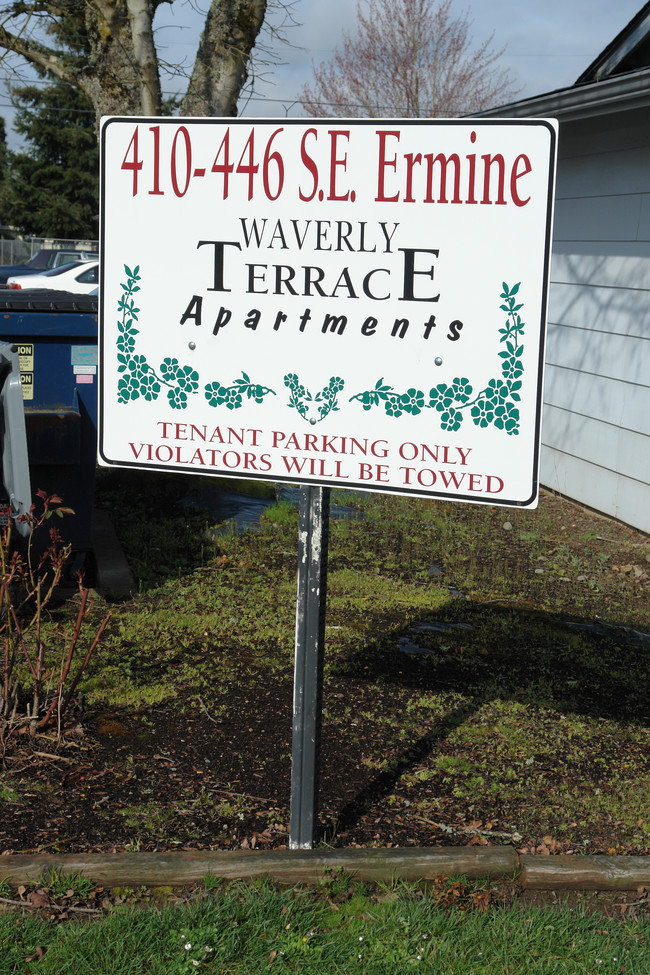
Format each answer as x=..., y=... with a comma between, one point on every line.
x=349, y=303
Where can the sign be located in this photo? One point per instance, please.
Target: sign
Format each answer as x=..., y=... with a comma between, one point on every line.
x=349, y=303
x=26, y=366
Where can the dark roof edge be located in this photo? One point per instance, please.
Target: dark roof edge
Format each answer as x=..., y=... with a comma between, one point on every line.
x=624, y=44
x=615, y=94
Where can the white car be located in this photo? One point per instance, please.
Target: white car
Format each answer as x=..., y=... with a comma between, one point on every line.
x=80, y=278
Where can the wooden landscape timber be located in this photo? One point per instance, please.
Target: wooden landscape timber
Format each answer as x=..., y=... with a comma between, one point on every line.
x=596, y=872
x=184, y=868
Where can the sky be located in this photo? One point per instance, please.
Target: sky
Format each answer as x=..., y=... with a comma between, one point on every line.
x=548, y=43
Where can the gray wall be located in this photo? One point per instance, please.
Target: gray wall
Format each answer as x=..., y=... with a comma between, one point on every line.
x=596, y=421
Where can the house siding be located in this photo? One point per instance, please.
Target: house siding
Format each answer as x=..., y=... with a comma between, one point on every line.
x=596, y=420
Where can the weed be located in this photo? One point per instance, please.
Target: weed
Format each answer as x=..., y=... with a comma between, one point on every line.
x=7, y=794
x=211, y=882
x=281, y=513
x=61, y=884
x=28, y=583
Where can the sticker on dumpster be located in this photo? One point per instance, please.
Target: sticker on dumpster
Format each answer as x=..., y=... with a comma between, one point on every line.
x=26, y=363
x=84, y=355
x=27, y=383
x=359, y=303
x=26, y=357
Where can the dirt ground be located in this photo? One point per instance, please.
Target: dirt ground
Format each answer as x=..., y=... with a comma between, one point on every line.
x=213, y=777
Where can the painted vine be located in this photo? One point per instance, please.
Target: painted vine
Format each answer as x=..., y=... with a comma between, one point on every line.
x=496, y=404
x=139, y=379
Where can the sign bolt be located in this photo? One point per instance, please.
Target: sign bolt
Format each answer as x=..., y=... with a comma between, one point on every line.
x=313, y=421
x=192, y=346
x=438, y=360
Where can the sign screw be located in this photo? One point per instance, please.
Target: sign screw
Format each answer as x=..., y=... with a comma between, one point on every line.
x=313, y=421
x=438, y=360
x=192, y=346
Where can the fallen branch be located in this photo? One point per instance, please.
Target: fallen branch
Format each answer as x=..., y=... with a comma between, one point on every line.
x=56, y=907
x=55, y=758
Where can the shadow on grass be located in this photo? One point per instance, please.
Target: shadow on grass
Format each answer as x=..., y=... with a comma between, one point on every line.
x=564, y=665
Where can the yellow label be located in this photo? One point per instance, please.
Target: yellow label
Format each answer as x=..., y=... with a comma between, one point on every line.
x=26, y=357
x=27, y=383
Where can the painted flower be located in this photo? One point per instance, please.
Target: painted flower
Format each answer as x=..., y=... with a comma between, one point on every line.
x=498, y=391
x=234, y=398
x=392, y=406
x=441, y=397
x=451, y=419
x=177, y=398
x=483, y=413
x=187, y=378
x=128, y=388
x=216, y=394
x=412, y=401
x=511, y=368
x=126, y=343
x=138, y=366
x=462, y=390
x=506, y=417
x=168, y=369
x=149, y=386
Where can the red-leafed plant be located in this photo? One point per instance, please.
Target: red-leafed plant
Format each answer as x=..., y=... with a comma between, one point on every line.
x=41, y=663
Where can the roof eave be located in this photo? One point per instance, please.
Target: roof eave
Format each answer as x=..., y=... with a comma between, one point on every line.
x=622, y=92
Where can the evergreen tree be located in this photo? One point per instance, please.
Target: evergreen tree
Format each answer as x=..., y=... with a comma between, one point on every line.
x=51, y=188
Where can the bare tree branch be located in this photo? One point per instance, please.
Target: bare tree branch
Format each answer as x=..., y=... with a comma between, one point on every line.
x=112, y=56
x=409, y=59
x=35, y=53
x=221, y=66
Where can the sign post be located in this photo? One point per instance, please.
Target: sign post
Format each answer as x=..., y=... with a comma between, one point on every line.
x=313, y=531
x=359, y=304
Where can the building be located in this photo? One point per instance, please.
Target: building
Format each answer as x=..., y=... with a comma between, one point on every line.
x=596, y=419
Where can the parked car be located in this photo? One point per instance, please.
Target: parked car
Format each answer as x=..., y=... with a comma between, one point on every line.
x=80, y=278
x=43, y=260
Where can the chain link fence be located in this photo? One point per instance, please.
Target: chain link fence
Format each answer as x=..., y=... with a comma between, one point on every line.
x=18, y=251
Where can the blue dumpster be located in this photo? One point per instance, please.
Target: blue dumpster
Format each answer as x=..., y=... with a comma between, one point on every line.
x=55, y=335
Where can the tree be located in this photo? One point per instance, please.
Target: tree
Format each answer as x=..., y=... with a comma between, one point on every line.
x=408, y=59
x=113, y=57
x=3, y=150
x=51, y=188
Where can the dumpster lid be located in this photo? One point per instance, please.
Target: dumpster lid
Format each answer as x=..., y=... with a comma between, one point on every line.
x=45, y=299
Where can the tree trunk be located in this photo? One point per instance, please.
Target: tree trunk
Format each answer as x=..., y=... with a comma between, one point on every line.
x=112, y=75
x=141, y=13
x=221, y=66
x=120, y=71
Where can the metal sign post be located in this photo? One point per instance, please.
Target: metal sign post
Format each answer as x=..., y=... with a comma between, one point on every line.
x=313, y=532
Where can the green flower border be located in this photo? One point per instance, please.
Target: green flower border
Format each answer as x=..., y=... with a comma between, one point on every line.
x=139, y=379
x=495, y=405
x=300, y=397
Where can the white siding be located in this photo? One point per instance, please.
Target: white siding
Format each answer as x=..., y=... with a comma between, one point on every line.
x=596, y=423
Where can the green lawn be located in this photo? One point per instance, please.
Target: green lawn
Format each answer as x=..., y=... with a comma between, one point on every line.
x=245, y=930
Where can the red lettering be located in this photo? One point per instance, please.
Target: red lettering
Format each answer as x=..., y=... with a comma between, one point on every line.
x=385, y=164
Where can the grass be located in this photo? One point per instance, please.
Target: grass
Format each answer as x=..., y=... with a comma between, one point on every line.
x=239, y=929
x=494, y=640
x=479, y=679
x=480, y=665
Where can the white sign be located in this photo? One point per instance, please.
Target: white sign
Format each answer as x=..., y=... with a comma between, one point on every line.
x=350, y=303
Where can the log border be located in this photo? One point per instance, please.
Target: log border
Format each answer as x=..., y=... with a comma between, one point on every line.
x=187, y=867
